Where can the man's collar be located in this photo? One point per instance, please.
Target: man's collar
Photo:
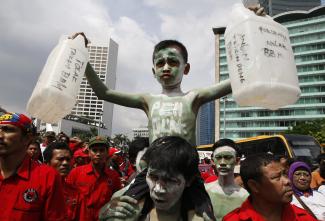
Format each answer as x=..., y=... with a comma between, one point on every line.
x=24, y=169
x=248, y=212
x=90, y=169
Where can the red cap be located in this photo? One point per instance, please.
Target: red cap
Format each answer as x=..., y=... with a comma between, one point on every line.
x=19, y=120
x=80, y=153
x=113, y=151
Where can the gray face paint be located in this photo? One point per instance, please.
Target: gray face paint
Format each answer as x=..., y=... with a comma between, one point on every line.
x=165, y=190
x=225, y=159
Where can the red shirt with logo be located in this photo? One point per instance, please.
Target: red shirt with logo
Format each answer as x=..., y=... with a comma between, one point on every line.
x=72, y=201
x=33, y=193
x=95, y=189
x=248, y=213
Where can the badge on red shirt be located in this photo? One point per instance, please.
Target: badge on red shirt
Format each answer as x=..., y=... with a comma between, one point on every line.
x=30, y=195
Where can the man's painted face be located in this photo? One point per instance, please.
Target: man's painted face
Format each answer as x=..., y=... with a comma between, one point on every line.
x=169, y=66
x=274, y=184
x=98, y=154
x=165, y=189
x=301, y=179
x=61, y=161
x=225, y=160
x=12, y=140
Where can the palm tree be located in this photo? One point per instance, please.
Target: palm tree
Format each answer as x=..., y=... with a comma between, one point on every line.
x=121, y=140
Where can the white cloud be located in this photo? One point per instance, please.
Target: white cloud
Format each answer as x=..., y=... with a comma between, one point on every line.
x=29, y=30
x=134, y=59
x=39, y=21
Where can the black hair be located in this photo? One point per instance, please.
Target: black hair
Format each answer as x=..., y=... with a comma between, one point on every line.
x=63, y=135
x=138, y=144
x=226, y=142
x=48, y=152
x=251, y=167
x=173, y=155
x=35, y=142
x=320, y=157
x=169, y=43
x=38, y=145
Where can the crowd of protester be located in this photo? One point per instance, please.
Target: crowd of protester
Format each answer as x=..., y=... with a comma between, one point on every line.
x=57, y=177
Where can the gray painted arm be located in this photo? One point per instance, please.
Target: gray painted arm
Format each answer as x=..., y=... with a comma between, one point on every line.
x=214, y=92
x=104, y=93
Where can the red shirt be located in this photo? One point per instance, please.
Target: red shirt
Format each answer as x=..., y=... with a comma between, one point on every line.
x=33, y=193
x=72, y=201
x=95, y=189
x=248, y=213
x=211, y=179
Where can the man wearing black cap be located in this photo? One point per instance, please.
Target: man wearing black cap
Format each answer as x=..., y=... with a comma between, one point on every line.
x=28, y=190
x=95, y=181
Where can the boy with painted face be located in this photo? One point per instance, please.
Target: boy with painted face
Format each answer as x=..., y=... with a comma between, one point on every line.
x=225, y=194
x=172, y=112
x=170, y=175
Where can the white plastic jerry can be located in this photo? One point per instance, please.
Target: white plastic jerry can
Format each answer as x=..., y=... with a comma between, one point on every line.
x=56, y=90
x=260, y=60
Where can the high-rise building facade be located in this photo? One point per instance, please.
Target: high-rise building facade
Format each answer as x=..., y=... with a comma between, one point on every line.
x=307, y=36
x=103, y=58
x=141, y=131
x=274, y=7
x=205, y=124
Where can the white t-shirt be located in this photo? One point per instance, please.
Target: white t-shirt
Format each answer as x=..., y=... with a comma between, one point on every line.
x=316, y=204
x=321, y=189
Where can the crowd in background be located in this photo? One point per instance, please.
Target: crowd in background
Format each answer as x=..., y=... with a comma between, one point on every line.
x=308, y=185
x=92, y=173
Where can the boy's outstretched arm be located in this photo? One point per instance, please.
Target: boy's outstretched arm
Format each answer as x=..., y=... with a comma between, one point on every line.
x=213, y=92
x=104, y=93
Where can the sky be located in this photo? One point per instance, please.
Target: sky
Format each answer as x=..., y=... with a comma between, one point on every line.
x=30, y=30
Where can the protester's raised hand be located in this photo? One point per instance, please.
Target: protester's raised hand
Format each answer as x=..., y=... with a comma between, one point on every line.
x=258, y=10
x=83, y=35
x=121, y=208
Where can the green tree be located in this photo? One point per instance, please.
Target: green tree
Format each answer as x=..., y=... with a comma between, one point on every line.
x=315, y=128
x=121, y=141
x=94, y=131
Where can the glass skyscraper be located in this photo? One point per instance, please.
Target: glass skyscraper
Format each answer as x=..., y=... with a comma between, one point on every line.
x=205, y=124
x=307, y=36
x=274, y=7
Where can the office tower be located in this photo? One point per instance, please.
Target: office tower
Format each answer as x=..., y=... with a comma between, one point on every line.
x=307, y=36
x=141, y=131
x=205, y=124
x=103, y=58
x=274, y=7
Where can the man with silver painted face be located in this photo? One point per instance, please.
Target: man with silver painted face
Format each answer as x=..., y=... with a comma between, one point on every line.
x=172, y=167
x=225, y=194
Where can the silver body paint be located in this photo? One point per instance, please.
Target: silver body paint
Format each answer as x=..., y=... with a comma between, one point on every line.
x=165, y=195
x=224, y=166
